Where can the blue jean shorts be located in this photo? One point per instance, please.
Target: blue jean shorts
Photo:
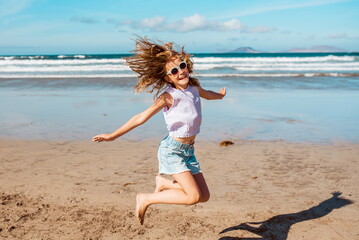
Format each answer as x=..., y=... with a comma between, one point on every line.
x=176, y=157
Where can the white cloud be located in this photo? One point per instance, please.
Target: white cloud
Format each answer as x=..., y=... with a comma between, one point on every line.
x=187, y=24
x=192, y=23
x=233, y=24
x=152, y=22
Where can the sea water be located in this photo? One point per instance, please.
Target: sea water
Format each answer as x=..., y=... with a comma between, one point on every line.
x=270, y=96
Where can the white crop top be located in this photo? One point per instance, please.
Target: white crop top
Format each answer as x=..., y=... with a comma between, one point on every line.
x=184, y=117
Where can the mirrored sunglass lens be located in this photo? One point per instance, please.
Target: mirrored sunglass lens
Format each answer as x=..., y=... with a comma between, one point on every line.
x=174, y=71
x=183, y=65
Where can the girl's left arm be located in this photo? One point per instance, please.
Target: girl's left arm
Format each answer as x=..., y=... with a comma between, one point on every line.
x=210, y=95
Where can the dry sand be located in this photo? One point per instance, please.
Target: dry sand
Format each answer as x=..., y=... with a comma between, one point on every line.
x=259, y=190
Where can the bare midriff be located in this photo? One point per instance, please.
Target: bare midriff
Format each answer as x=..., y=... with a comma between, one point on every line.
x=186, y=140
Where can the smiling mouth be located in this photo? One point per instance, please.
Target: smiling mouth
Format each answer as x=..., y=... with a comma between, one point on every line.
x=185, y=76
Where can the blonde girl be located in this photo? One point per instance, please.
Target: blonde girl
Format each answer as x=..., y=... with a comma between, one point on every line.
x=165, y=71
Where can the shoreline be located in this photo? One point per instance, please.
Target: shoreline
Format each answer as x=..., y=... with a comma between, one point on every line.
x=199, y=140
x=80, y=189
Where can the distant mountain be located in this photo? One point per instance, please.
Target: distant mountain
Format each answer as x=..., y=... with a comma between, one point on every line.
x=316, y=49
x=244, y=50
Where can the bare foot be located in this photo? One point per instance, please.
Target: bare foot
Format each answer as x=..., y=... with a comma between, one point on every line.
x=141, y=208
x=159, y=184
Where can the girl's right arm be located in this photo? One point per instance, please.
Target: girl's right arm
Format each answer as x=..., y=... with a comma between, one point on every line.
x=137, y=120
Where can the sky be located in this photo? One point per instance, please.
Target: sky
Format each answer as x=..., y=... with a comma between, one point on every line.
x=110, y=26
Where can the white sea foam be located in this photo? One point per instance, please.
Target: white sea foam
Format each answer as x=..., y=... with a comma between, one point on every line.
x=214, y=75
x=81, y=66
x=113, y=68
x=279, y=75
x=79, y=56
x=278, y=66
x=60, y=62
x=295, y=69
x=70, y=68
x=274, y=59
x=111, y=65
x=67, y=75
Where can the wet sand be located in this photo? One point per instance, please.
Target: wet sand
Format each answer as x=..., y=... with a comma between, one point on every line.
x=259, y=190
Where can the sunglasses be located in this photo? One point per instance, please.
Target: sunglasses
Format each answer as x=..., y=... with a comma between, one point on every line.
x=174, y=70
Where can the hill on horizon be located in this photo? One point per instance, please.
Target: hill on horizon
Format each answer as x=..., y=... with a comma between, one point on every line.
x=244, y=50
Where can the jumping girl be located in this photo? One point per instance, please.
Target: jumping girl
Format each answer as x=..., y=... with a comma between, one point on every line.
x=162, y=68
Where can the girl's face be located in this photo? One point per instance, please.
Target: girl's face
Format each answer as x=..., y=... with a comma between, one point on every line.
x=181, y=79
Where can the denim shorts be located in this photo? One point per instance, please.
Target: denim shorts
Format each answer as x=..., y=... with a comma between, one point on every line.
x=176, y=157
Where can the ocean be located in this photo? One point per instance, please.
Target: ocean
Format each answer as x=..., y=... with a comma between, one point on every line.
x=206, y=65
x=271, y=96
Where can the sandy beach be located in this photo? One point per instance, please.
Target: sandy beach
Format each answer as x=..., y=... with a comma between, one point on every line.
x=278, y=79
x=259, y=190
x=292, y=172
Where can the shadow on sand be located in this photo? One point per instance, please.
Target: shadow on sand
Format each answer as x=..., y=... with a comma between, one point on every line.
x=278, y=226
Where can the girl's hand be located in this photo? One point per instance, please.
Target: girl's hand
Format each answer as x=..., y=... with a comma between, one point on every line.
x=102, y=137
x=223, y=92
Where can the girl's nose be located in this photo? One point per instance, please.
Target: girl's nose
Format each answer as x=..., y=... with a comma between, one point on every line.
x=180, y=71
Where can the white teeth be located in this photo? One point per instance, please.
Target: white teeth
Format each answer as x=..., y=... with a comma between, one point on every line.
x=183, y=77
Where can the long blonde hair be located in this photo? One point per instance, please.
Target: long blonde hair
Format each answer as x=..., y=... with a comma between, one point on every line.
x=149, y=63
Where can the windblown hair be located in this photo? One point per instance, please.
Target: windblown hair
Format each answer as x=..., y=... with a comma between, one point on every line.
x=149, y=63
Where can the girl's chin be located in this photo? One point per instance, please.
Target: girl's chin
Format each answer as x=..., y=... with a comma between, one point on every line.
x=182, y=85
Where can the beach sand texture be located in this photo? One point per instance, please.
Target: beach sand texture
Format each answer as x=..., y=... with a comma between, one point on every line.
x=259, y=190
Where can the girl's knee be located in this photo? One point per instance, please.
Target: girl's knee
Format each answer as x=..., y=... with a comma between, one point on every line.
x=194, y=198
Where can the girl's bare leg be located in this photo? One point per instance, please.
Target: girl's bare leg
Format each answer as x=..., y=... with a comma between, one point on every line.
x=201, y=183
x=164, y=183
x=188, y=194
